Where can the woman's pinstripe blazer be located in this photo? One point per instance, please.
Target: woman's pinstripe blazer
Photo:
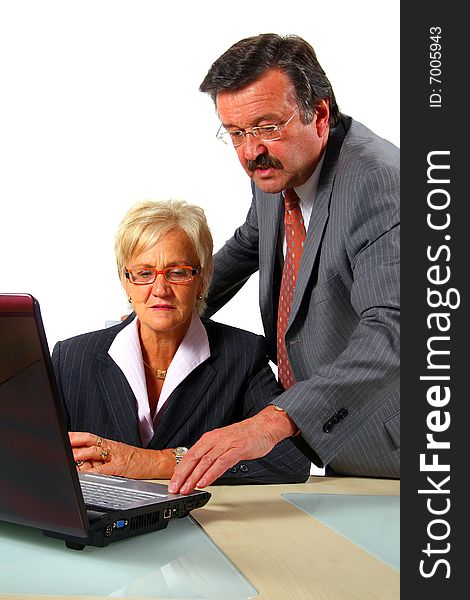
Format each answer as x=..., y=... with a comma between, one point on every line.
x=234, y=383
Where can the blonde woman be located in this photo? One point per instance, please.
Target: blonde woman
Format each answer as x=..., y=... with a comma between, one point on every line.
x=138, y=394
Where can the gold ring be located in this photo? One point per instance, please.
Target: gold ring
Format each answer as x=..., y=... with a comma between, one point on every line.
x=99, y=441
x=104, y=454
x=79, y=463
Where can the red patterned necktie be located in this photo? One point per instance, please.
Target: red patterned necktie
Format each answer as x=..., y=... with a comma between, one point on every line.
x=295, y=237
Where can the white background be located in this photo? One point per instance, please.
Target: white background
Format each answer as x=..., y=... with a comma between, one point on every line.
x=99, y=108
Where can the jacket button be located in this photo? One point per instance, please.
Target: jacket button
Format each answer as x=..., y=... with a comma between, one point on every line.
x=233, y=469
x=244, y=468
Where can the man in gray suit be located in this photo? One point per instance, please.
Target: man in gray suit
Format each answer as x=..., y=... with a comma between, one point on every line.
x=278, y=109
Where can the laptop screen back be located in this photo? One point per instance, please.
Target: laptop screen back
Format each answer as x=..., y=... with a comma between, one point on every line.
x=38, y=481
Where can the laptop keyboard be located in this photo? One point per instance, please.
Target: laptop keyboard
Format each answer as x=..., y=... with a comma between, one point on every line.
x=111, y=497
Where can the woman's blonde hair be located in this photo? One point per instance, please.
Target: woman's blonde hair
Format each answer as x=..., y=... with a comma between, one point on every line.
x=147, y=222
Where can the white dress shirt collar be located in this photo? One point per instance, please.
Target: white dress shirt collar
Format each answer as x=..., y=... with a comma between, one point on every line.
x=307, y=191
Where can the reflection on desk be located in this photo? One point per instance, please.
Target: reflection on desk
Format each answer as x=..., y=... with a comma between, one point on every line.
x=372, y=522
x=178, y=562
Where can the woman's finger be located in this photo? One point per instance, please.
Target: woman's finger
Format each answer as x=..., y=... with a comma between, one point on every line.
x=92, y=453
x=82, y=438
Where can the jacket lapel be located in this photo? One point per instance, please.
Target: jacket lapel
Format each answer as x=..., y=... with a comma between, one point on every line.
x=271, y=210
x=319, y=216
x=182, y=404
x=119, y=399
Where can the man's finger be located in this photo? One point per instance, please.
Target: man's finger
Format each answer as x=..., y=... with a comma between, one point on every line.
x=201, y=472
x=220, y=449
x=188, y=465
x=217, y=468
x=207, y=460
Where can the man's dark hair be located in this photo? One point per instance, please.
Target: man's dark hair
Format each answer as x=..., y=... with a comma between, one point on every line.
x=251, y=57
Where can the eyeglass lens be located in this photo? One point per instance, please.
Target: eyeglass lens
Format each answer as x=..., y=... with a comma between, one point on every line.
x=171, y=274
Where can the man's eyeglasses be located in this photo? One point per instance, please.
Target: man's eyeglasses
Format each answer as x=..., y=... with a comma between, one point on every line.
x=176, y=275
x=266, y=133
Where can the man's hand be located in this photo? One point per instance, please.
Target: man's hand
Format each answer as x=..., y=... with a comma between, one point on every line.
x=220, y=449
x=95, y=454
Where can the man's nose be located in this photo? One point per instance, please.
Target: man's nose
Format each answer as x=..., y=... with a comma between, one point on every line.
x=252, y=147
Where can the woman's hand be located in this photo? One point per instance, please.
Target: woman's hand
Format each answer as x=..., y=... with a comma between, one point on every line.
x=94, y=454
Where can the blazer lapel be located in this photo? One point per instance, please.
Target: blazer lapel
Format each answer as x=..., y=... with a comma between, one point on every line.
x=181, y=404
x=319, y=216
x=119, y=399
x=270, y=214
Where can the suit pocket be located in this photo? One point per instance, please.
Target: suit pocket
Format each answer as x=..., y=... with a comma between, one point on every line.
x=329, y=316
x=326, y=289
x=392, y=425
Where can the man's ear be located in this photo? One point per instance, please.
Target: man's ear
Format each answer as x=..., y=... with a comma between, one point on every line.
x=322, y=117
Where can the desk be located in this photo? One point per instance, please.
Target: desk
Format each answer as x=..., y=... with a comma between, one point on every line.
x=285, y=553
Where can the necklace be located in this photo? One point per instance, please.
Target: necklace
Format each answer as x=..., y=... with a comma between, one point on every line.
x=159, y=373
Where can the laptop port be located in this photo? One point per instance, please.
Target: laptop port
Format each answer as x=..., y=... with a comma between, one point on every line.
x=167, y=513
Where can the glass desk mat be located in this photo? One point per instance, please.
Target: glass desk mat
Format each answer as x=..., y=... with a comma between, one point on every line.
x=371, y=522
x=177, y=562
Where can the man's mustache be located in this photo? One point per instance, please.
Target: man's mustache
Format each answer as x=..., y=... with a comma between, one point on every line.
x=263, y=161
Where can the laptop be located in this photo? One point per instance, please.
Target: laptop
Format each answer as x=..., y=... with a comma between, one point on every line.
x=39, y=482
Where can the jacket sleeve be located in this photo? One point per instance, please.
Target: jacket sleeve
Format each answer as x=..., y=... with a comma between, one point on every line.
x=285, y=463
